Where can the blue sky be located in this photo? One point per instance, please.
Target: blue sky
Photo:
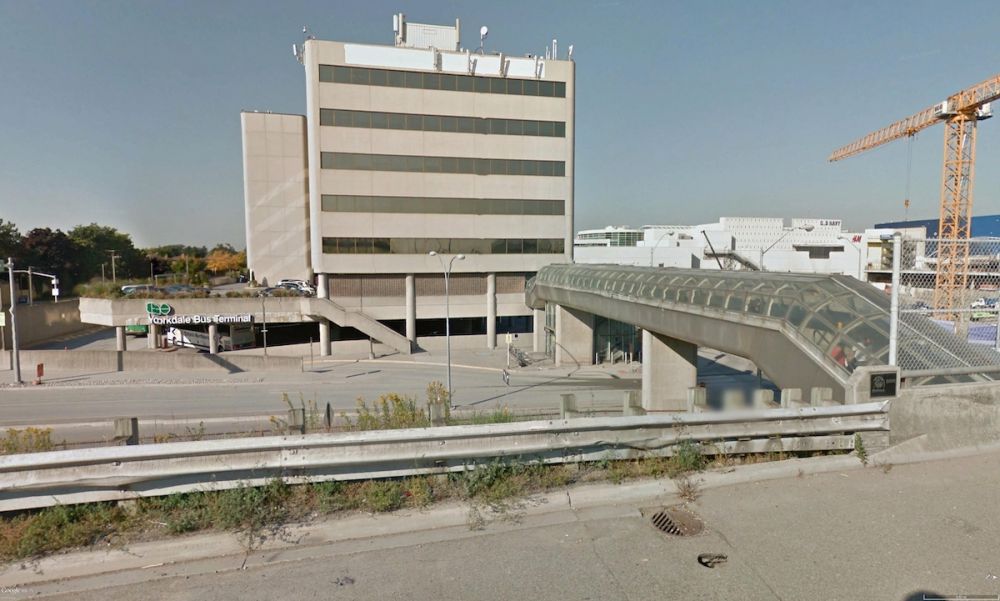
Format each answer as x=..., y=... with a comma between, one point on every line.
x=127, y=112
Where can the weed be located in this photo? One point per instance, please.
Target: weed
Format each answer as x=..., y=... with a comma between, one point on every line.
x=688, y=489
x=688, y=456
x=859, y=448
x=418, y=491
x=381, y=495
x=500, y=415
x=29, y=440
x=389, y=412
x=196, y=433
x=886, y=468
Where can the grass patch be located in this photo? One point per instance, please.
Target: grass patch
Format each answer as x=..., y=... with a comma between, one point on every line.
x=29, y=440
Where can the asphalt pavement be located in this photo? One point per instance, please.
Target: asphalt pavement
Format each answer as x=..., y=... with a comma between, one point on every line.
x=907, y=532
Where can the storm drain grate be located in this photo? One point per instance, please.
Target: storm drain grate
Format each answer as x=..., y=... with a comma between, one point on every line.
x=677, y=522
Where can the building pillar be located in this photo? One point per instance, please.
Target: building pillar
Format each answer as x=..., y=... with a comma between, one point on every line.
x=213, y=338
x=491, y=310
x=323, y=291
x=538, y=340
x=153, y=336
x=411, y=308
x=120, y=340
x=669, y=369
x=574, y=337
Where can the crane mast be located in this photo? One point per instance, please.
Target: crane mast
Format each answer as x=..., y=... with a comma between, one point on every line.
x=960, y=113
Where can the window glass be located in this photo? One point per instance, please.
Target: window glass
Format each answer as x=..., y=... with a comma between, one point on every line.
x=530, y=87
x=559, y=245
x=515, y=246
x=756, y=304
x=325, y=73
x=546, y=128
x=498, y=126
x=362, y=119
x=432, y=164
x=342, y=75
x=498, y=85
x=449, y=165
x=483, y=85
x=325, y=117
x=515, y=127
x=560, y=89
x=397, y=163
x=515, y=86
x=482, y=126
x=448, y=82
x=432, y=81
x=530, y=247
x=343, y=118
x=379, y=77
x=432, y=123
x=402, y=246
x=529, y=168
x=544, y=246
x=545, y=88
x=380, y=246
x=414, y=80
x=380, y=120
x=466, y=165
x=397, y=121
x=545, y=168
x=560, y=129
x=559, y=168
x=364, y=246
x=482, y=166
x=414, y=122
x=531, y=128
x=359, y=76
x=396, y=79
x=514, y=167
x=362, y=161
x=346, y=246
x=498, y=167
x=465, y=83
x=380, y=162
x=449, y=123
x=415, y=164
x=466, y=125
x=498, y=246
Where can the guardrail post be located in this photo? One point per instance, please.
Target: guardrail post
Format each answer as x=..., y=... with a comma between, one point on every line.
x=791, y=398
x=328, y=418
x=127, y=430
x=297, y=420
x=632, y=404
x=734, y=398
x=821, y=396
x=567, y=406
x=697, y=400
x=764, y=399
x=436, y=411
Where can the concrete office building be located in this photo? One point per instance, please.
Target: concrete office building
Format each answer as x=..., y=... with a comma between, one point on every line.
x=405, y=149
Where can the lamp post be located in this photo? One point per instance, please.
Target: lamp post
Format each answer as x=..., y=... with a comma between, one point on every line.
x=15, y=358
x=447, y=312
x=804, y=228
x=653, y=249
x=861, y=271
x=31, y=273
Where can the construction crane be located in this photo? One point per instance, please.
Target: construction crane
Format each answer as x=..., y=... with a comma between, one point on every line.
x=960, y=113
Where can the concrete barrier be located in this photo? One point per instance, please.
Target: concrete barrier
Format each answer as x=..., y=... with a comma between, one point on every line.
x=44, y=321
x=934, y=418
x=106, y=361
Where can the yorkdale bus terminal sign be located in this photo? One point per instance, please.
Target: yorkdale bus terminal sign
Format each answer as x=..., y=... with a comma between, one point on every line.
x=163, y=314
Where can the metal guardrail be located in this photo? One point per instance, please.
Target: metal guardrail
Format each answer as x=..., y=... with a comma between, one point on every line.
x=117, y=473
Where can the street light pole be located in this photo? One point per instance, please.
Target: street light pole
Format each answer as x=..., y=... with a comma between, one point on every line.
x=447, y=312
x=652, y=250
x=114, y=256
x=804, y=228
x=861, y=271
x=14, y=350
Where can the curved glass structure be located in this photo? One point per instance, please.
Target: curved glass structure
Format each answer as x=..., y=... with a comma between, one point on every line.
x=846, y=320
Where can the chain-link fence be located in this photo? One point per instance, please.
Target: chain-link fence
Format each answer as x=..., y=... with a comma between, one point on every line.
x=947, y=302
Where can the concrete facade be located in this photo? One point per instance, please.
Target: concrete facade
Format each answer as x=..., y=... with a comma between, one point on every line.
x=669, y=369
x=574, y=337
x=407, y=149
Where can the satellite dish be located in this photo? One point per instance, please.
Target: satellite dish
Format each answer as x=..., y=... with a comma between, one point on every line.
x=483, y=32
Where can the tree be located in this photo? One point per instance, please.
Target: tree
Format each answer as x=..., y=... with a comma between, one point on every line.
x=223, y=261
x=96, y=242
x=224, y=247
x=10, y=240
x=53, y=251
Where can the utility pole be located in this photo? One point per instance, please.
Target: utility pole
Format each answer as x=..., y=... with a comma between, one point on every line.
x=102, y=272
x=31, y=288
x=114, y=255
x=14, y=351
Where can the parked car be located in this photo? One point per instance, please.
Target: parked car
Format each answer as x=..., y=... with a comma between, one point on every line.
x=297, y=286
x=138, y=289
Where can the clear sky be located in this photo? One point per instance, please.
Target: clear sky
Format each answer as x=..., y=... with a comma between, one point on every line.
x=127, y=112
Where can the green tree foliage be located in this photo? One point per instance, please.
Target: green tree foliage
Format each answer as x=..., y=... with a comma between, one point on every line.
x=10, y=240
x=54, y=252
x=95, y=242
x=171, y=251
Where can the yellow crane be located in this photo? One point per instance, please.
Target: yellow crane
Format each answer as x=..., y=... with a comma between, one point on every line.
x=960, y=113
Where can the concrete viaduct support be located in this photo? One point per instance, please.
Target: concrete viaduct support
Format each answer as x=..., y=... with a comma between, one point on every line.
x=323, y=291
x=669, y=369
x=411, y=309
x=574, y=337
x=491, y=311
x=538, y=336
x=121, y=342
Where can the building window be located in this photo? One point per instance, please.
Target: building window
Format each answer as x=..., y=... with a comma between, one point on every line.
x=444, y=123
x=345, y=203
x=425, y=164
x=422, y=246
x=435, y=81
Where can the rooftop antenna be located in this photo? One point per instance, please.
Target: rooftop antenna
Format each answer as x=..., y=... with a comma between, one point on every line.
x=299, y=51
x=571, y=52
x=305, y=32
x=555, y=51
x=483, y=32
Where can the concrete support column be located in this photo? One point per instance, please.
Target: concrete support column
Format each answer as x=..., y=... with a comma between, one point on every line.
x=411, y=308
x=323, y=291
x=213, y=338
x=669, y=369
x=538, y=340
x=491, y=310
x=574, y=337
x=153, y=337
x=120, y=340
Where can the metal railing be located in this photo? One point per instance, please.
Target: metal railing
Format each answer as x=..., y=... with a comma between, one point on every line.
x=116, y=473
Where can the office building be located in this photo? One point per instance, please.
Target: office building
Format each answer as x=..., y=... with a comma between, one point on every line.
x=406, y=149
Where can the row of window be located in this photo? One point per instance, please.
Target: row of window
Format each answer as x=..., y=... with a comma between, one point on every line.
x=462, y=125
x=424, y=164
x=422, y=246
x=344, y=203
x=442, y=81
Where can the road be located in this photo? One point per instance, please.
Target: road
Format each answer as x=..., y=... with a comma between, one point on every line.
x=877, y=533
